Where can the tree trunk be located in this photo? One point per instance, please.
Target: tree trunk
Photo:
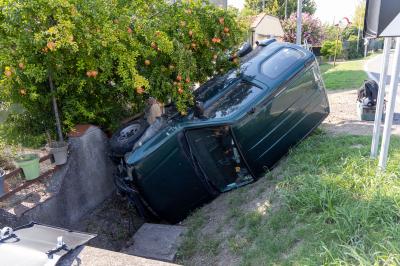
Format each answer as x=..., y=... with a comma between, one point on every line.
x=55, y=109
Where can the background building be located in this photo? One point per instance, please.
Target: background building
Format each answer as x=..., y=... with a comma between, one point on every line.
x=264, y=26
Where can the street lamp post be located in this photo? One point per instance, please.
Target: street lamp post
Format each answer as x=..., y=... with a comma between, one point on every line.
x=299, y=17
x=286, y=9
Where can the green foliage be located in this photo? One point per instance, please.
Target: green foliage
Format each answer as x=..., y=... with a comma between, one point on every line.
x=277, y=7
x=352, y=52
x=359, y=14
x=329, y=47
x=329, y=32
x=107, y=57
x=350, y=31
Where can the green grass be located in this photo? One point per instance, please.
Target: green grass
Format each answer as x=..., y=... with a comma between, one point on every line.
x=345, y=75
x=330, y=206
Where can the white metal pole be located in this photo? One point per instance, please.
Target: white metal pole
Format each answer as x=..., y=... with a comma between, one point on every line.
x=381, y=97
x=299, y=17
x=286, y=9
x=387, y=130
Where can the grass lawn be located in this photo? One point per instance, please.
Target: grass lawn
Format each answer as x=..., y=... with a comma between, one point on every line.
x=345, y=75
x=325, y=204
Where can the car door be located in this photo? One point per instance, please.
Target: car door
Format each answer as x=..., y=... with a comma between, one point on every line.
x=281, y=120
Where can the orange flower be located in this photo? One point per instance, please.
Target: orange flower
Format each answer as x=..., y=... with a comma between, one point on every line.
x=147, y=62
x=221, y=20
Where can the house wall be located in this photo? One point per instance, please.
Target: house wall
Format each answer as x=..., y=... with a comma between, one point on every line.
x=269, y=27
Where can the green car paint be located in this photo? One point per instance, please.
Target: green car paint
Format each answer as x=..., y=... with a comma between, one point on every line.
x=253, y=116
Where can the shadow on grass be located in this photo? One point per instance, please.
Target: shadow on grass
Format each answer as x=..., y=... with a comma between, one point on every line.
x=325, y=67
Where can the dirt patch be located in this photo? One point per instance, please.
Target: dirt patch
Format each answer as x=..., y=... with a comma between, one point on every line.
x=343, y=118
x=223, y=222
x=114, y=222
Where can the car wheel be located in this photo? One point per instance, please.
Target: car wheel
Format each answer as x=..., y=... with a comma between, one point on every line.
x=126, y=136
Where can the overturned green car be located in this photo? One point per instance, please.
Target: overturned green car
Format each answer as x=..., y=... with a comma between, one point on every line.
x=244, y=122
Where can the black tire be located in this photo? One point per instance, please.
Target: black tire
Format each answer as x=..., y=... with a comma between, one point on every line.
x=123, y=140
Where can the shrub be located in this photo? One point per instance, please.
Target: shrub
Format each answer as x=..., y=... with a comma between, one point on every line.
x=311, y=28
x=107, y=57
x=352, y=52
x=328, y=48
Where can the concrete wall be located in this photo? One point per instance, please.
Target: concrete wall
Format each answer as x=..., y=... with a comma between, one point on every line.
x=85, y=182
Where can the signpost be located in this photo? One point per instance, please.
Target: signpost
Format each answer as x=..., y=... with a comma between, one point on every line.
x=392, y=102
x=382, y=19
x=381, y=98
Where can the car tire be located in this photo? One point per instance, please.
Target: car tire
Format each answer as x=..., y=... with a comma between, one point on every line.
x=123, y=140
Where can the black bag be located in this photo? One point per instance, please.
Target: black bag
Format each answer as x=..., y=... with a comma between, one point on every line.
x=368, y=90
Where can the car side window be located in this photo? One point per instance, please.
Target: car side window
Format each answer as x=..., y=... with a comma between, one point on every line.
x=280, y=62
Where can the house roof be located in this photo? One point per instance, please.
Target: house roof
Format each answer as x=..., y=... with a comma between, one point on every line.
x=255, y=20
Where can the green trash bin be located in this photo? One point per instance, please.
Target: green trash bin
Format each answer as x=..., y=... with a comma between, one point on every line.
x=30, y=165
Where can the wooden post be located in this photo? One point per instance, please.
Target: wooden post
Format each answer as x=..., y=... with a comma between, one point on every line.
x=55, y=109
x=336, y=46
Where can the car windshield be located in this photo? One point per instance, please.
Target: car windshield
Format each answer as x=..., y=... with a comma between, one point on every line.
x=238, y=95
